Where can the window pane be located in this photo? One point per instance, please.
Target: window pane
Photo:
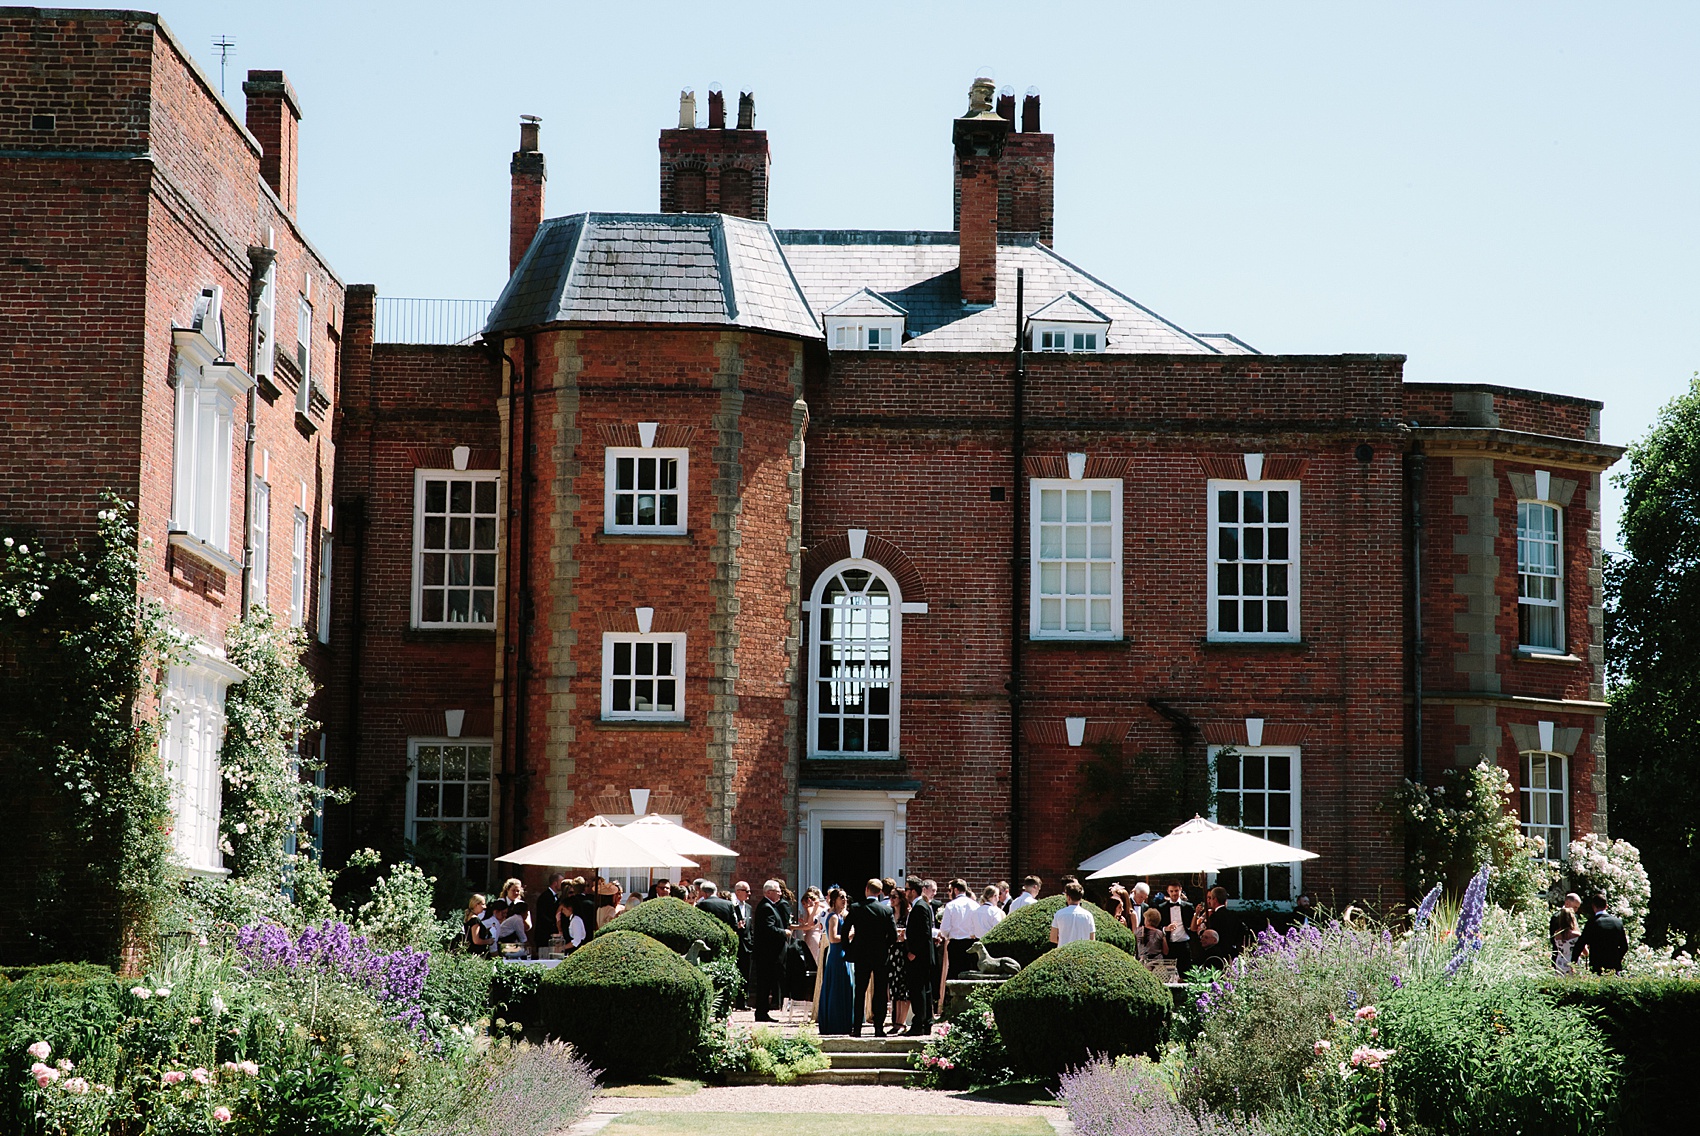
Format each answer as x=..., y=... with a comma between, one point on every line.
x=1074, y=501
x=486, y=497
x=625, y=473
x=1278, y=506
x=1050, y=505
x=460, y=497
x=436, y=496
x=1253, y=506
x=1227, y=506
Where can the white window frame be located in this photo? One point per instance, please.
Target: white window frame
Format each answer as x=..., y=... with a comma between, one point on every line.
x=610, y=482
x=1039, y=592
x=324, y=612
x=193, y=712
x=203, y=440
x=1071, y=337
x=265, y=320
x=1556, y=604
x=1294, y=632
x=298, y=572
x=815, y=608
x=865, y=334
x=475, y=476
x=611, y=640
x=413, y=819
x=261, y=539
x=1295, y=817
x=1530, y=795
x=304, y=350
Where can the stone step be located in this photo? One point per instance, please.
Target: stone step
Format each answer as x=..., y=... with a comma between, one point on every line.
x=834, y=1043
x=868, y=1060
x=886, y=1076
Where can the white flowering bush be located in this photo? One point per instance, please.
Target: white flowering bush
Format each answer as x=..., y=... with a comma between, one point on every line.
x=1466, y=820
x=1612, y=868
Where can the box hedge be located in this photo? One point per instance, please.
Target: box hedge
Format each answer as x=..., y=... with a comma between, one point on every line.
x=1651, y=1023
x=675, y=923
x=1026, y=935
x=629, y=1003
x=74, y=1007
x=1083, y=1000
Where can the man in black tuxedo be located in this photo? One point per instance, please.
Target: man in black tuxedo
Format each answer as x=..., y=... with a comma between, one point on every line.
x=1604, y=938
x=543, y=915
x=872, y=929
x=1176, y=926
x=769, y=933
x=710, y=902
x=921, y=957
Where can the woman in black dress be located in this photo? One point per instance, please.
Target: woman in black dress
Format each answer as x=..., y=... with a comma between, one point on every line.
x=895, y=961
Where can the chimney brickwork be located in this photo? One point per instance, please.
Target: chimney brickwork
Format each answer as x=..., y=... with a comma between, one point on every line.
x=274, y=118
x=1026, y=174
x=978, y=138
x=716, y=170
x=525, y=205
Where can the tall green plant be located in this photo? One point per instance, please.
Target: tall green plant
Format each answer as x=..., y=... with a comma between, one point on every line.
x=268, y=788
x=83, y=657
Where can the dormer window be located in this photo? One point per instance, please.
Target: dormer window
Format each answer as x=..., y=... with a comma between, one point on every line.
x=864, y=321
x=1068, y=323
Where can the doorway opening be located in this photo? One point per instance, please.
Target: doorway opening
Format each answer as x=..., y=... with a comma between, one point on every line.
x=849, y=857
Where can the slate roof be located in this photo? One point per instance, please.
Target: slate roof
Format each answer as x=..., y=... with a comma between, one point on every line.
x=865, y=302
x=1069, y=308
x=689, y=268
x=918, y=270
x=1228, y=344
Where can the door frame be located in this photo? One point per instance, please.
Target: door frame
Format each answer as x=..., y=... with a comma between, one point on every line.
x=883, y=809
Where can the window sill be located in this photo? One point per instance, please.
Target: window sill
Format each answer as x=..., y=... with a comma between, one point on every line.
x=269, y=390
x=201, y=550
x=853, y=759
x=1536, y=655
x=305, y=425
x=1081, y=642
x=203, y=873
x=1296, y=646
x=642, y=724
x=642, y=538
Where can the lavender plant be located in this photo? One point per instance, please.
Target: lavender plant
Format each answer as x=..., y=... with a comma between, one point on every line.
x=1129, y=1097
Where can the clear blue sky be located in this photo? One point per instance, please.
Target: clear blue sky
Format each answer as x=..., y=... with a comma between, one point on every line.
x=1504, y=192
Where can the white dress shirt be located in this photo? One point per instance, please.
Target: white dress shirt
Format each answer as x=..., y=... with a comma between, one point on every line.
x=1021, y=900
x=983, y=918
x=1072, y=923
x=956, y=921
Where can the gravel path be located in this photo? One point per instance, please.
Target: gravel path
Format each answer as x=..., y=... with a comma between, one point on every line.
x=821, y=1100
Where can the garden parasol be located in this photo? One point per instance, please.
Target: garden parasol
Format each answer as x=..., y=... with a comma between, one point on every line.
x=596, y=843
x=1200, y=845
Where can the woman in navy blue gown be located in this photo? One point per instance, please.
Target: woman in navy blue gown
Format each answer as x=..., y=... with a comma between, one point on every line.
x=837, y=983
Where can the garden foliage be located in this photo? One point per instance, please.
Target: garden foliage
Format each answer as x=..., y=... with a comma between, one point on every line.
x=1085, y=999
x=1130, y=1096
x=675, y=923
x=966, y=1053
x=1651, y=1024
x=1612, y=868
x=1467, y=820
x=1026, y=934
x=630, y=1004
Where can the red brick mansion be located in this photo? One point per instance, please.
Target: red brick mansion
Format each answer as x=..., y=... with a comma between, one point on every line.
x=860, y=551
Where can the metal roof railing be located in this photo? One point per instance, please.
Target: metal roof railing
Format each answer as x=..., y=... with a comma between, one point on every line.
x=407, y=319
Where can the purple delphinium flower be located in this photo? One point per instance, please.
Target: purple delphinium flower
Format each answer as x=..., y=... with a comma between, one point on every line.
x=1398, y=983
x=1467, y=934
x=1425, y=909
x=396, y=978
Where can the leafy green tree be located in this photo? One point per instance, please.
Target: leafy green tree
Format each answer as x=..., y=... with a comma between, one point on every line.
x=1653, y=648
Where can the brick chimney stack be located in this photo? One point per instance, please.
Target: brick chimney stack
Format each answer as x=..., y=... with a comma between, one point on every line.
x=1026, y=172
x=525, y=205
x=274, y=118
x=713, y=169
x=978, y=138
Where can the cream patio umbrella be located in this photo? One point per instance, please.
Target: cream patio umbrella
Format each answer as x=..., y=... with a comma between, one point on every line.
x=658, y=832
x=1117, y=851
x=1200, y=845
x=597, y=843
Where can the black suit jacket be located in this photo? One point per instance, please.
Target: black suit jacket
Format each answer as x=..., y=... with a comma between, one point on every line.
x=873, y=929
x=1606, y=941
x=918, y=935
x=722, y=909
x=768, y=929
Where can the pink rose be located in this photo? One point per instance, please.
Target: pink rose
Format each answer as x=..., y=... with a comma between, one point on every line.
x=230, y=1067
x=250, y=1068
x=1322, y=1047
x=199, y=1076
x=173, y=1077
x=1367, y=1014
x=77, y=1085
x=40, y=1051
x=221, y=1114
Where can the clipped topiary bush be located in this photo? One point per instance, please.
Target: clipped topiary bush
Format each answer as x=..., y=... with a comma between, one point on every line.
x=1026, y=935
x=1650, y=1022
x=628, y=1003
x=675, y=923
x=1084, y=1000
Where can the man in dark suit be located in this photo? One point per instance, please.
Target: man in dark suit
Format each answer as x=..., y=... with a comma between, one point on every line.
x=543, y=914
x=1226, y=932
x=1176, y=926
x=709, y=902
x=1604, y=938
x=872, y=929
x=769, y=934
x=921, y=959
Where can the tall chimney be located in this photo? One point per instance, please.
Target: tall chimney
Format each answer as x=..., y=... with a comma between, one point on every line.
x=274, y=118
x=978, y=138
x=1027, y=176
x=525, y=204
x=715, y=170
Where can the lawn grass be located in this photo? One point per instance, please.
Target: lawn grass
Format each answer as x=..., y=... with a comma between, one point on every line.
x=652, y=1087
x=865, y=1124
x=1019, y=1092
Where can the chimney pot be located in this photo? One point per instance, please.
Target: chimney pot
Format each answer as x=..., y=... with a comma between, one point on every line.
x=1006, y=103
x=687, y=109
x=747, y=111
x=716, y=110
x=978, y=138
x=1030, y=112
x=529, y=125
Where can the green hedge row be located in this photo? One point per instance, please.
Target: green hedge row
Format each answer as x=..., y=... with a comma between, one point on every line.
x=74, y=1007
x=1655, y=1024
x=630, y=1004
x=1081, y=1001
x=677, y=924
x=1026, y=935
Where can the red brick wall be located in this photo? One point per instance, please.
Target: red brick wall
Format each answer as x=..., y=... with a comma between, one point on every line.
x=715, y=154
